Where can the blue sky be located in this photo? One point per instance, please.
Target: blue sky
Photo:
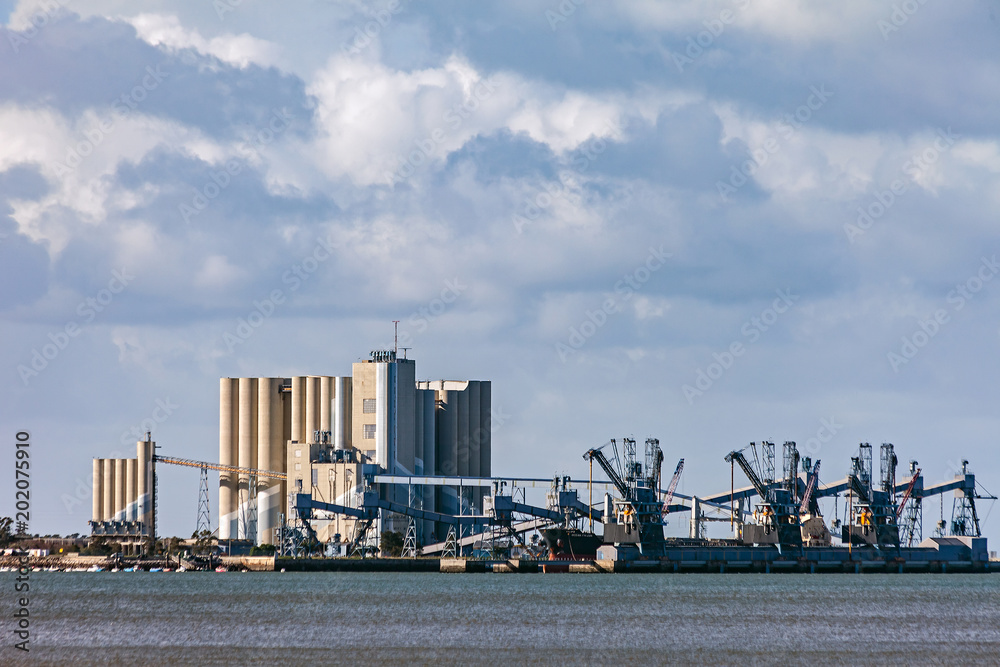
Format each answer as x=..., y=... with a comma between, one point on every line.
x=707, y=222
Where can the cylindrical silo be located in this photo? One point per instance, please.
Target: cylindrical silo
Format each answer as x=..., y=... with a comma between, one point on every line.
x=119, y=489
x=473, y=428
x=267, y=388
x=108, y=489
x=325, y=394
x=130, y=486
x=312, y=408
x=486, y=424
x=463, y=432
x=97, y=513
x=142, y=483
x=298, y=408
x=428, y=403
x=247, y=451
x=342, y=412
x=285, y=436
x=447, y=453
x=228, y=455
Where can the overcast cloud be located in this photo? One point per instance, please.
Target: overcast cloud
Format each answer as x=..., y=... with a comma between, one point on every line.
x=621, y=194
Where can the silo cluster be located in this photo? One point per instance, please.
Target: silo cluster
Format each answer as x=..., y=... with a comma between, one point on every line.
x=122, y=488
x=257, y=418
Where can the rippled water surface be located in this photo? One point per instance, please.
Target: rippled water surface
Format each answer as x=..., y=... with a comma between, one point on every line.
x=330, y=618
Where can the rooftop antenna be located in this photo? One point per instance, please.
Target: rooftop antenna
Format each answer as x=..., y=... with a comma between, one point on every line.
x=395, y=337
x=404, y=349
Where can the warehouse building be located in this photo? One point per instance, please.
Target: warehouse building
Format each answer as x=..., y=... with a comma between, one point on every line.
x=320, y=431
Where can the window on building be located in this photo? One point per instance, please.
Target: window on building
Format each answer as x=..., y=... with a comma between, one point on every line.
x=298, y=485
x=315, y=477
x=298, y=452
x=369, y=431
x=368, y=406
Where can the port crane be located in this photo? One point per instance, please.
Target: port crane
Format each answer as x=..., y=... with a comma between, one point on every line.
x=777, y=512
x=636, y=519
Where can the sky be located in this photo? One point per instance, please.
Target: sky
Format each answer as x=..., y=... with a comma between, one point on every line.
x=705, y=222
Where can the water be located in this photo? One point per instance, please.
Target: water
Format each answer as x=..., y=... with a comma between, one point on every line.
x=331, y=618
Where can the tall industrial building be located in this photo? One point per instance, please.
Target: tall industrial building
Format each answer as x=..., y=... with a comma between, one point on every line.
x=321, y=430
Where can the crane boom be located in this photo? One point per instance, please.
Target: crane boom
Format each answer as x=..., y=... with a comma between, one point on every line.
x=597, y=455
x=749, y=472
x=191, y=463
x=673, y=485
x=857, y=488
x=906, y=494
x=810, y=488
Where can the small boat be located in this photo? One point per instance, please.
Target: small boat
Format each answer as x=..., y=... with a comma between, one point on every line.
x=95, y=568
x=222, y=568
x=156, y=569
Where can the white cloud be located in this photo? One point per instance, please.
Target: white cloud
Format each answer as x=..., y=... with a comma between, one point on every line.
x=377, y=122
x=77, y=157
x=239, y=50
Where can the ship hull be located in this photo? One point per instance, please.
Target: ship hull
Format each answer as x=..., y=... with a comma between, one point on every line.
x=571, y=544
